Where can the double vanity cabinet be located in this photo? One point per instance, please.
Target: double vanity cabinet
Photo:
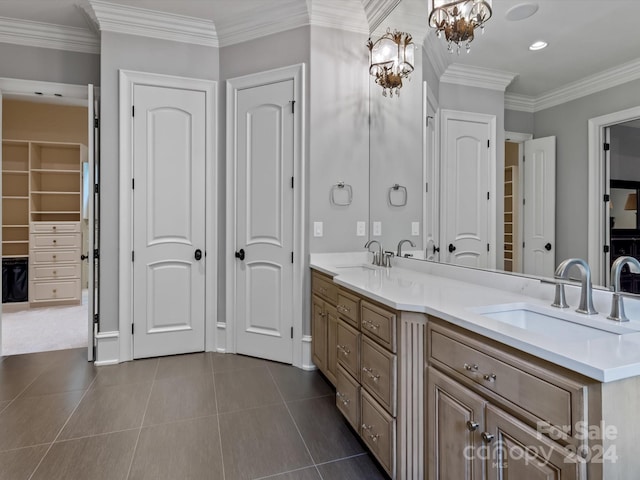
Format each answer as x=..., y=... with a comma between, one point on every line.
x=434, y=400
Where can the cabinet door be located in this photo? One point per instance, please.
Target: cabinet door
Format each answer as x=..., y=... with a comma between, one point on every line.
x=319, y=335
x=455, y=421
x=332, y=342
x=517, y=451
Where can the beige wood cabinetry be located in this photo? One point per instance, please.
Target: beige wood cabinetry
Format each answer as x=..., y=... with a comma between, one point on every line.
x=324, y=324
x=41, y=203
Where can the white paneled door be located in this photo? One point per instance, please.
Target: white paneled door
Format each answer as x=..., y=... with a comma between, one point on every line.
x=539, y=228
x=467, y=205
x=169, y=147
x=264, y=220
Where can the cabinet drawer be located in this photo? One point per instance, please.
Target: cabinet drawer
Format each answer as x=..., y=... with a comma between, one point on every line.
x=55, y=241
x=55, y=271
x=347, y=397
x=560, y=405
x=55, y=290
x=378, y=374
x=43, y=227
x=54, y=256
x=349, y=308
x=379, y=324
x=378, y=430
x=348, y=349
x=324, y=287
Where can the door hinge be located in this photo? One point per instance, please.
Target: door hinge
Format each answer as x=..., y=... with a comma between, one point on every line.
x=132, y=329
x=487, y=247
x=291, y=182
x=96, y=318
x=524, y=201
x=606, y=249
x=132, y=255
x=606, y=147
x=522, y=244
x=291, y=332
x=96, y=188
x=426, y=187
x=488, y=143
x=488, y=195
x=133, y=111
x=96, y=122
x=133, y=184
x=291, y=257
x=96, y=254
x=293, y=106
x=606, y=198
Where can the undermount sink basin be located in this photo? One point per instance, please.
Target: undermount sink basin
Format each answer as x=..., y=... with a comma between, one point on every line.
x=552, y=322
x=362, y=267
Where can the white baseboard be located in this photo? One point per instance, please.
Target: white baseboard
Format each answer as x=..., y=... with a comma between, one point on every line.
x=307, y=363
x=221, y=337
x=107, y=348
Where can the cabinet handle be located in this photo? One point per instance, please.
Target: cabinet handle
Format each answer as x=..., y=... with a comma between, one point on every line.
x=370, y=325
x=54, y=227
x=322, y=314
x=343, y=308
x=472, y=426
x=370, y=372
x=55, y=241
x=489, y=377
x=487, y=437
x=54, y=257
x=323, y=290
x=54, y=290
x=54, y=272
x=366, y=427
x=344, y=349
x=343, y=398
x=374, y=437
x=468, y=367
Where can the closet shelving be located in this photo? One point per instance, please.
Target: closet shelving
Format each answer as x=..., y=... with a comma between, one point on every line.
x=510, y=218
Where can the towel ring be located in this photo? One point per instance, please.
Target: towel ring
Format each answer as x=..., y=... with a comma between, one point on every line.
x=403, y=195
x=335, y=194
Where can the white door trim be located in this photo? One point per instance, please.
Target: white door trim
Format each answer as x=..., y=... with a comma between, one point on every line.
x=597, y=189
x=128, y=79
x=300, y=289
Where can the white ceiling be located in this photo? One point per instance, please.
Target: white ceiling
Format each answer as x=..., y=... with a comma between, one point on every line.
x=585, y=36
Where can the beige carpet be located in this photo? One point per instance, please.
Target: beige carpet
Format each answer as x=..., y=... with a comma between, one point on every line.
x=44, y=329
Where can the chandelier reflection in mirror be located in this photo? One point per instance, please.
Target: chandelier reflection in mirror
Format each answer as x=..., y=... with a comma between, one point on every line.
x=458, y=20
x=391, y=60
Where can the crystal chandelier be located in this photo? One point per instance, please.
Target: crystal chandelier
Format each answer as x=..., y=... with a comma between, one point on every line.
x=458, y=19
x=391, y=60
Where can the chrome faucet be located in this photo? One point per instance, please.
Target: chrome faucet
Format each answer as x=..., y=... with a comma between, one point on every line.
x=617, y=307
x=402, y=242
x=586, y=297
x=377, y=256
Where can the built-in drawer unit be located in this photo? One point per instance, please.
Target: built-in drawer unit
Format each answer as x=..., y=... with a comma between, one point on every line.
x=348, y=308
x=378, y=430
x=323, y=286
x=71, y=240
x=526, y=385
x=348, y=397
x=54, y=256
x=348, y=348
x=379, y=324
x=55, y=290
x=55, y=271
x=378, y=375
x=45, y=227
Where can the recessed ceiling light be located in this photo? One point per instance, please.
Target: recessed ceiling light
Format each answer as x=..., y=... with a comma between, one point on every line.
x=521, y=11
x=539, y=45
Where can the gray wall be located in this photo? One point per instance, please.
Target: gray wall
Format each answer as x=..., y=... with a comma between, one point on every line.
x=142, y=54
x=625, y=153
x=339, y=137
x=519, y=122
x=49, y=65
x=569, y=123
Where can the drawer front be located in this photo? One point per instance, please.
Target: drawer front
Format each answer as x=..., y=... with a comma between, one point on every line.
x=349, y=308
x=56, y=241
x=58, y=290
x=544, y=400
x=348, y=348
x=378, y=430
x=348, y=397
x=379, y=324
x=44, y=227
x=55, y=256
x=378, y=375
x=53, y=271
x=324, y=287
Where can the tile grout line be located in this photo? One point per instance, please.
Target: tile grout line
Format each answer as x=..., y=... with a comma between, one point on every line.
x=293, y=419
x=215, y=397
x=62, y=428
x=146, y=407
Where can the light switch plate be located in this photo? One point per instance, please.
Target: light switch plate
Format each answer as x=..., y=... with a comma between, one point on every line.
x=415, y=228
x=377, y=228
x=361, y=229
x=317, y=229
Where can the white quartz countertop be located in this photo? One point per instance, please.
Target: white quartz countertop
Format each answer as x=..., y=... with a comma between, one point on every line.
x=605, y=358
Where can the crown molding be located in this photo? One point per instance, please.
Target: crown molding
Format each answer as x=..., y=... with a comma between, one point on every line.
x=339, y=14
x=152, y=23
x=47, y=35
x=264, y=21
x=48, y=92
x=477, y=77
x=520, y=103
x=377, y=10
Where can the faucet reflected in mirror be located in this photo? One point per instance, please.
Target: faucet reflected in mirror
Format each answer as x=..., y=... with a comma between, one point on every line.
x=617, y=307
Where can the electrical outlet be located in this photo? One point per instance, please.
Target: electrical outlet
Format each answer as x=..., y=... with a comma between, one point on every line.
x=317, y=229
x=361, y=229
x=415, y=228
x=377, y=228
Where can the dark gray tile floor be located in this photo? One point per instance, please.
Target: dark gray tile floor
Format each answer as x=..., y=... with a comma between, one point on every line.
x=198, y=416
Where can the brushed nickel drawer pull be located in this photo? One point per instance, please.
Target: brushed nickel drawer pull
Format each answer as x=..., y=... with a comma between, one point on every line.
x=344, y=349
x=322, y=290
x=468, y=367
x=489, y=377
x=343, y=308
x=374, y=437
x=487, y=437
x=370, y=325
x=472, y=426
x=54, y=257
x=370, y=372
x=343, y=398
x=366, y=427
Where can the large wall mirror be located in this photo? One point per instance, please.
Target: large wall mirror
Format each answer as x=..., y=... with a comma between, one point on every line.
x=405, y=167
